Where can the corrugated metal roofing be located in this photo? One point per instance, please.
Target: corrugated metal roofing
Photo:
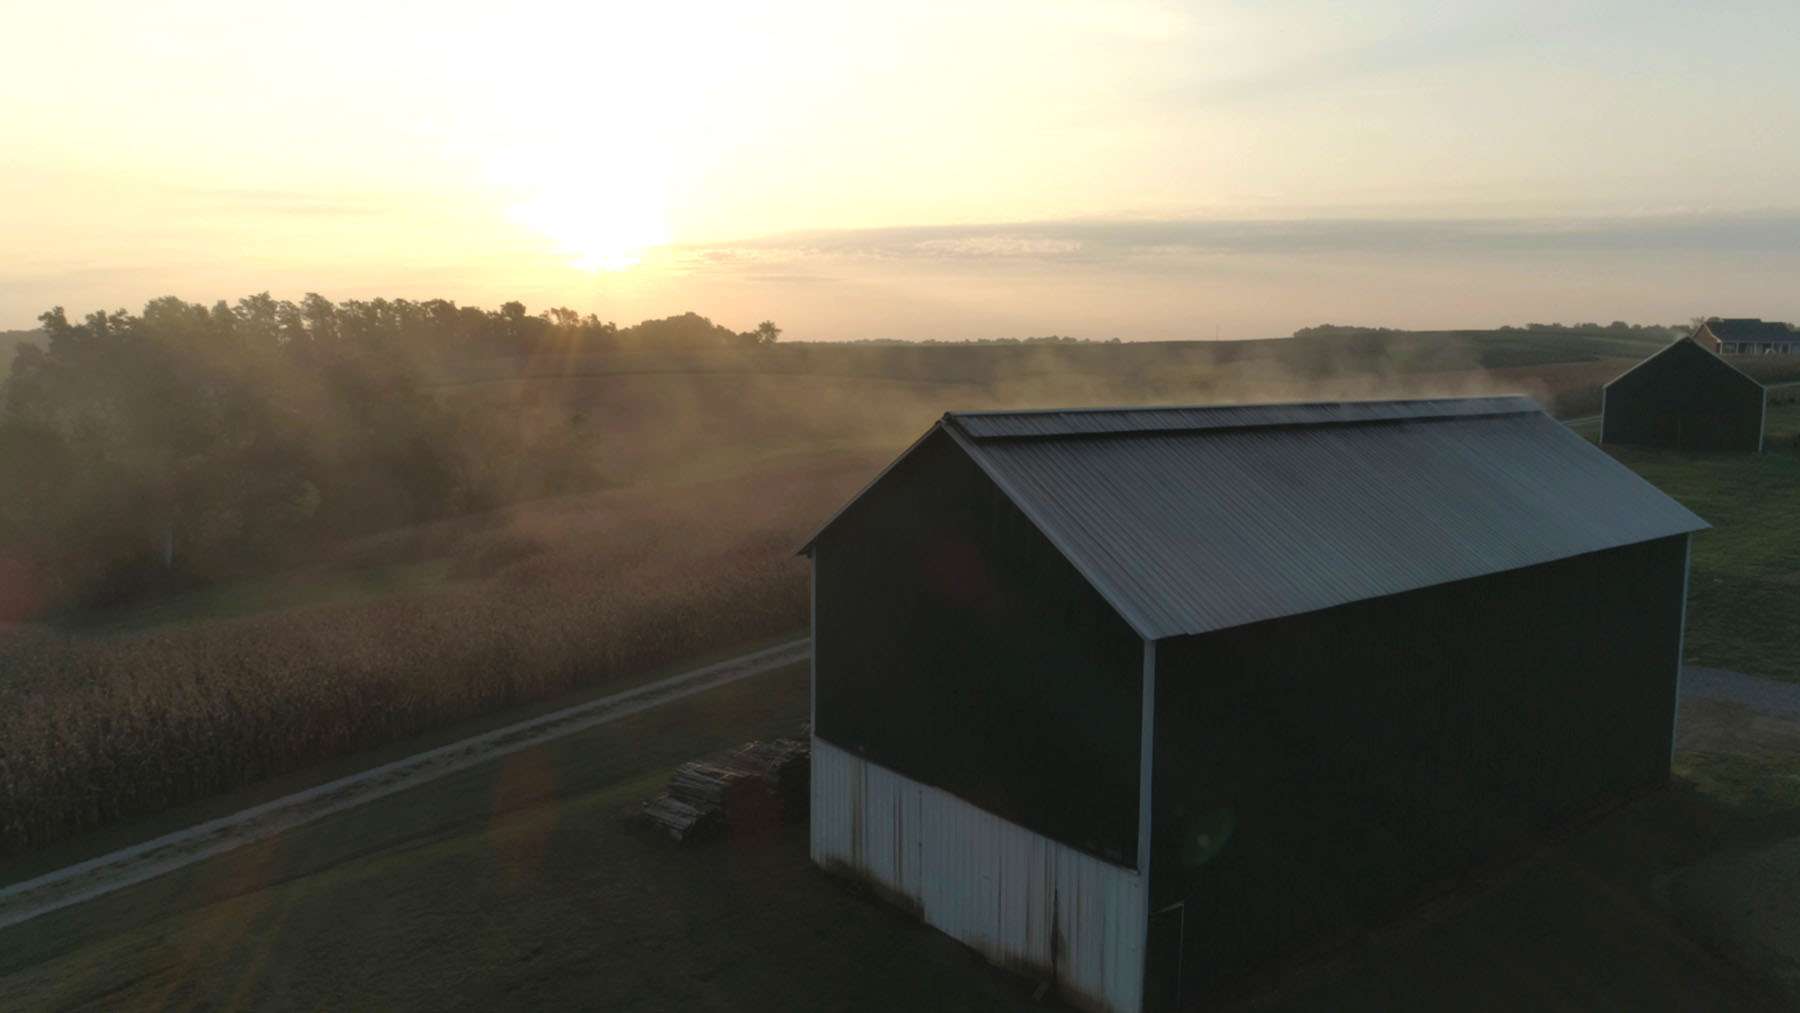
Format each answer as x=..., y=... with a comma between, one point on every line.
x=1099, y=421
x=1188, y=531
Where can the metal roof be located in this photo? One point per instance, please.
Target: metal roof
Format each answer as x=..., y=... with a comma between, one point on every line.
x=1187, y=418
x=1752, y=329
x=1256, y=512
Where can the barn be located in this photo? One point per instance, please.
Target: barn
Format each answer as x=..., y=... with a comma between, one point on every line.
x=1138, y=700
x=1684, y=398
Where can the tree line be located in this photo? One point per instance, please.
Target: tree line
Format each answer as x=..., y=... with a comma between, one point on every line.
x=1618, y=327
x=1047, y=339
x=185, y=443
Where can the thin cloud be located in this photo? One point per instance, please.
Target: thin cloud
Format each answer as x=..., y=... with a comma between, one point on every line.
x=1101, y=241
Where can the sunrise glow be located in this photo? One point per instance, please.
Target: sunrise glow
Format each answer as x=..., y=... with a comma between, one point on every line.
x=962, y=168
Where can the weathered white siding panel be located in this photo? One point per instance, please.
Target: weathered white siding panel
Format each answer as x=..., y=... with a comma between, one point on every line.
x=1018, y=897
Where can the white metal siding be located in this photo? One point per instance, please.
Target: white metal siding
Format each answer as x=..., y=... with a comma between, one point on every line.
x=988, y=882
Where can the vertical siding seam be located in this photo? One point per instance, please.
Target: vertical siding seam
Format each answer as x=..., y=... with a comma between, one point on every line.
x=1687, y=547
x=1762, y=423
x=1146, y=789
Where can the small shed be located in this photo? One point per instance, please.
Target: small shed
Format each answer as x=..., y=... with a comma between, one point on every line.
x=1139, y=699
x=1684, y=398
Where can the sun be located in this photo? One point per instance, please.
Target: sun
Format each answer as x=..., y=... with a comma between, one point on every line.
x=596, y=209
x=599, y=224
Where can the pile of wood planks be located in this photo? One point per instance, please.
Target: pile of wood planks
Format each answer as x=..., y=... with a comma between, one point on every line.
x=752, y=786
x=681, y=821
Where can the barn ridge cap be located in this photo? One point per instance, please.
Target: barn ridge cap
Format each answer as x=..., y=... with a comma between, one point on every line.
x=1065, y=422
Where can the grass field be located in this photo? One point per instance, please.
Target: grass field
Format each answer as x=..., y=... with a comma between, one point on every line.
x=1744, y=586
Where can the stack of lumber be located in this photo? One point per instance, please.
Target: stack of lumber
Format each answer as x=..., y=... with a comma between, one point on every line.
x=713, y=787
x=754, y=785
x=681, y=821
x=782, y=767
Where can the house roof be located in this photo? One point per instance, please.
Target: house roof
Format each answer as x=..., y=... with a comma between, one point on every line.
x=1752, y=329
x=1194, y=519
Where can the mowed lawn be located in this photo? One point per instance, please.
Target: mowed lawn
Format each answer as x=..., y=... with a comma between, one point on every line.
x=1744, y=586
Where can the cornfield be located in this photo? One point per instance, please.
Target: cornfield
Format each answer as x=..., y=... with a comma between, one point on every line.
x=550, y=597
x=100, y=728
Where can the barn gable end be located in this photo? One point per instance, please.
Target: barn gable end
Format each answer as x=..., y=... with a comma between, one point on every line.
x=956, y=646
x=1684, y=398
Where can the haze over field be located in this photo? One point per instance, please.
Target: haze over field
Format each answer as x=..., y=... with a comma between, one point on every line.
x=1088, y=167
x=431, y=436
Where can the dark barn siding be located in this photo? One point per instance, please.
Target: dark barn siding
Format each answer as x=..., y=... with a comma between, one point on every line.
x=1358, y=754
x=1684, y=398
x=957, y=647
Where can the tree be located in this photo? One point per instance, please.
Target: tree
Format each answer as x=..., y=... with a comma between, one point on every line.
x=689, y=330
x=188, y=443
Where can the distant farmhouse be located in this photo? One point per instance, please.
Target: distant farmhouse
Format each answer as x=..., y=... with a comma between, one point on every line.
x=1684, y=398
x=1140, y=699
x=1748, y=336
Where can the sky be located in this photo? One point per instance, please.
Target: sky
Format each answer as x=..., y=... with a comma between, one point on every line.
x=979, y=168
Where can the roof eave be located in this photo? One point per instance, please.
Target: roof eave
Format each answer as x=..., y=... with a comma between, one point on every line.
x=1138, y=623
x=807, y=548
